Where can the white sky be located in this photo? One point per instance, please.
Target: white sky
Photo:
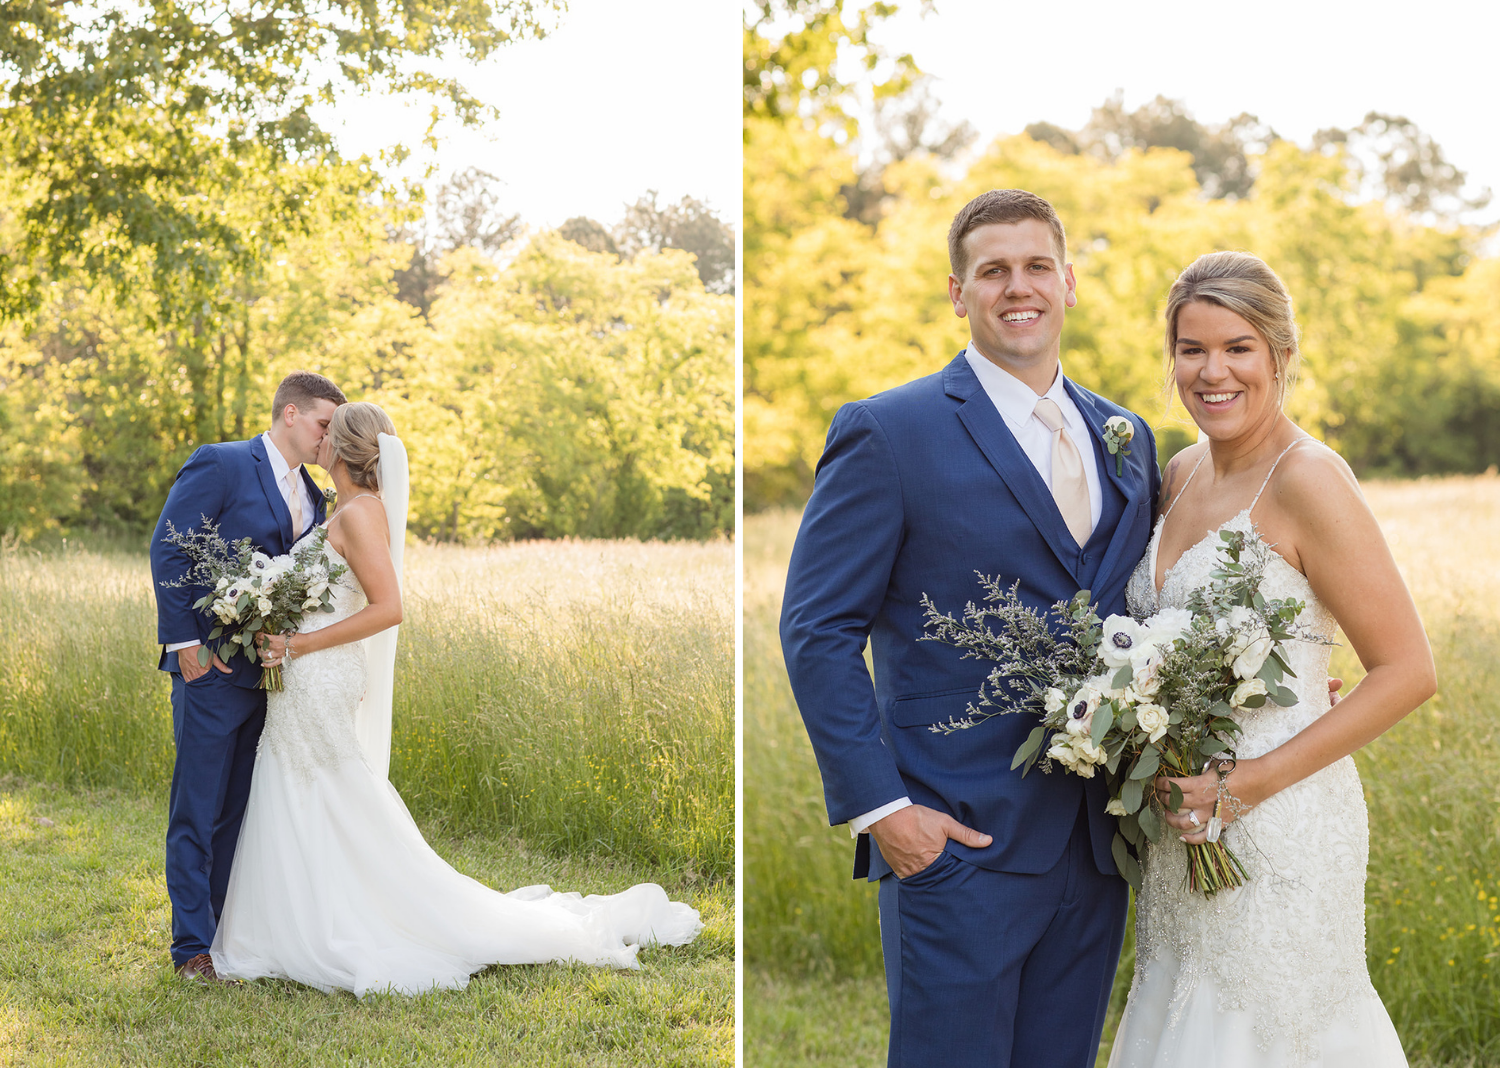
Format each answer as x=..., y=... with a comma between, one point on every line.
x=1299, y=65
x=624, y=96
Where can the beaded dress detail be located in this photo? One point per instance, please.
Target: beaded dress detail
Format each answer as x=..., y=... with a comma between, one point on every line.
x=333, y=886
x=1272, y=973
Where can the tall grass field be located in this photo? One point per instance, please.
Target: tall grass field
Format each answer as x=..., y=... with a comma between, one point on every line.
x=814, y=995
x=564, y=713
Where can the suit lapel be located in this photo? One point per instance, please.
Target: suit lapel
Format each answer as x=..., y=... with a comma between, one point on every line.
x=272, y=490
x=1130, y=483
x=987, y=427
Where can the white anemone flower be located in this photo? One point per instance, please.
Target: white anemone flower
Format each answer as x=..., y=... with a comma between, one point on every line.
x=1122, y=637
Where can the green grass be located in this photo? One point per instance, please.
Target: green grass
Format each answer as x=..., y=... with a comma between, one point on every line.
x=564, y=714
x=577, y=693
x=1434, y=875
x=84, y=977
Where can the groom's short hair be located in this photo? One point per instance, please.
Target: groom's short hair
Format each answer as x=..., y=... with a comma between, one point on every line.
x=302, y=388
x=1000, y=206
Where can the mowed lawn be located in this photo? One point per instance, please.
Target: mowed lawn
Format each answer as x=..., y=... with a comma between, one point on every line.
x=814, y=992
x=564, y=715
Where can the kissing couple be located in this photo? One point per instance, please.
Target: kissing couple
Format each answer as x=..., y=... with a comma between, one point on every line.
x=289, y=854
x=1001, y=910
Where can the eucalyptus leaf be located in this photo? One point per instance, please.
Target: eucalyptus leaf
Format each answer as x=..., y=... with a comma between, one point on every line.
x=1029, y=747
x=1146, y=764
x=1131, y=794
x=1151, y=824
x=1123, y=678
x=1127, y=865
x=1104, y=718
x=1175, y=801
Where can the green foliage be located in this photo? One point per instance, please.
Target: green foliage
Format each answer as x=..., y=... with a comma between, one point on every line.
x=170, y=145
x=1400, y=324
x=563, y=394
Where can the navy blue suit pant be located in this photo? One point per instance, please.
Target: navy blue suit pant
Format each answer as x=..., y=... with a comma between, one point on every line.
x=216, y=727
x=1028, y=982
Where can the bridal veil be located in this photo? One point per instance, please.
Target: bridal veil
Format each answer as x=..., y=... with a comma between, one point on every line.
x=372, y=722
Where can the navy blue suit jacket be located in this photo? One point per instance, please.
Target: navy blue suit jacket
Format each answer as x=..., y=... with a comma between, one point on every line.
x=918, y=488
x=232, y=484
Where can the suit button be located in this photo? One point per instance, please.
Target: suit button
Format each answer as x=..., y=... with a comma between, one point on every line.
x=1087, y=557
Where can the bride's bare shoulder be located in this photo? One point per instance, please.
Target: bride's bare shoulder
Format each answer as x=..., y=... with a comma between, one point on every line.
x=1314, y=483
x=360, y=524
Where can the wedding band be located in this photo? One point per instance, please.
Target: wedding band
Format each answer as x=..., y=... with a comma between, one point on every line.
x=1193, y=815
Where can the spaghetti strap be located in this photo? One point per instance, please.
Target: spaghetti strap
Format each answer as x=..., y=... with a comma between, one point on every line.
x=351, y=500
x=1180, y=492
x=1271, y=472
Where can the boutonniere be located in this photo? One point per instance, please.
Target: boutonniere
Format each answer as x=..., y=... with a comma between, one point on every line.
x=1117, y=434
x=330, y=496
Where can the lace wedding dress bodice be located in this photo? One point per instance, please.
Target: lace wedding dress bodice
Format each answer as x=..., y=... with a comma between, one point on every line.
x=333, y=886
x=1273, y=972
x=306, y=727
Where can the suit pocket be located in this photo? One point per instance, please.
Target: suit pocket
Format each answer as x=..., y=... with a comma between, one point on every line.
x=940, y=865
x=919, y=710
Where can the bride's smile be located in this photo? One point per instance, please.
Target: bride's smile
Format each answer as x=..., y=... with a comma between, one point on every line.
x=1224, y=372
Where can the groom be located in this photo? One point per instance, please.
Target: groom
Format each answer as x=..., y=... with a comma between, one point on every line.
x=1001, y=913
x=260, y=490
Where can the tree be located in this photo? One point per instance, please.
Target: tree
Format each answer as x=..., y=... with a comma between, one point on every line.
x=1221, y=153
x=689, y=225
x=145, y=123
x=587, y=233
x=1402, y=164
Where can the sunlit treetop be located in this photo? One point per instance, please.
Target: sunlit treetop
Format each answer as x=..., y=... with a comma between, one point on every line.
x=178, y=137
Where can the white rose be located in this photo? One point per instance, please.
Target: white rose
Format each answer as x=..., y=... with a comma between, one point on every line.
x=1145, y=671
x=223, y=585
x=1081, y=709
x=1153, y=719
x=310, y=603
x=1246, y=690
x=1122, y=637
x=1062, y=752
x=264, y=605
x=317, y=589
x=1116, y=807
x=1168, y=625
x=1122, y=428
x=1089, y=756
x=1053, y=700
x=224, y=610
x=1249, y=642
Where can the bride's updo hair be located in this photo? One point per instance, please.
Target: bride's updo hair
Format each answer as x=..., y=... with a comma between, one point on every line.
x=1243, y=284
x=354, y=432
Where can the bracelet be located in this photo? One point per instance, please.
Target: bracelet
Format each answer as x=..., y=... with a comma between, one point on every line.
x=1225, y=801
x=290, y=652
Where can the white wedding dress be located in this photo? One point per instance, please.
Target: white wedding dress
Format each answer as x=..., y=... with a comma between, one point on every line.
x=1273, y=973
x=333, y=886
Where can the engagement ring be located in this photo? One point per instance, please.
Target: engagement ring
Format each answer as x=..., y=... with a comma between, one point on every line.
x=1193, y=815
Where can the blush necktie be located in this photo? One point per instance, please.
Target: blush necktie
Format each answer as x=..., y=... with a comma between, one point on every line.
x=294, y=501
x=1070, y=489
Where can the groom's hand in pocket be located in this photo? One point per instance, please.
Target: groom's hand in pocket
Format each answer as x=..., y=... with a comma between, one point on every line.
x=913, y=837
x=192, y=670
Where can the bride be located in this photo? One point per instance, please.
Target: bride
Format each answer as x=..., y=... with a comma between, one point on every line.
x=332, y=884
x=1272, y=973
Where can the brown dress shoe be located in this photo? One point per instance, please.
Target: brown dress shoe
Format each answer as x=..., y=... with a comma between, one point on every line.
x=200, y=969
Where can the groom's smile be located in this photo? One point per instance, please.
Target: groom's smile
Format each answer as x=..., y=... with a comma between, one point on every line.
x=1015, y=292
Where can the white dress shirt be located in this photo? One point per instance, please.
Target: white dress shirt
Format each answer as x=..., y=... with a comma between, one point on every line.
x=1016, y=403
x=279, y=470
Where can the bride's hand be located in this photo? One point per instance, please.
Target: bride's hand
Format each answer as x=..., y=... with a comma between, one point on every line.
x=272, y=649
x=1199, y=794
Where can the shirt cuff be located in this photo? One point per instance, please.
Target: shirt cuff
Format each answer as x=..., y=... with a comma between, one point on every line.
x=860, y=824
x=181, y=645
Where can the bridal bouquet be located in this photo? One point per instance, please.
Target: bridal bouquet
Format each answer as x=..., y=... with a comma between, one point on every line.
x=1135, y=699
x=253, y=592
